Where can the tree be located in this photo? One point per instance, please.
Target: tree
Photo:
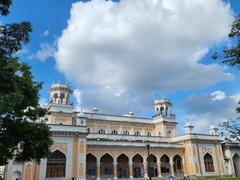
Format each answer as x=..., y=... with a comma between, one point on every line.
x=4, y=6
x=231, y=57
x=23, y=134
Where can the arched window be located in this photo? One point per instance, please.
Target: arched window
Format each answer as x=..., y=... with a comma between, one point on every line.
x=101, y=131
x=137, y=133
x=56, y=164
x=149, y=134
x=126, y=132
x=169, y=133
x=55, y=96
x=88, y=130
x=62, y=96
x=208, y=162
x=114, y=131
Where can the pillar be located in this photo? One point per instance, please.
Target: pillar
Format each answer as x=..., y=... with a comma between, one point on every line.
x=115, y=170
x=145, y=169
x=131, y=170
x=159, y=169
x=183, y=167
x=172, y=168
x=98, y=173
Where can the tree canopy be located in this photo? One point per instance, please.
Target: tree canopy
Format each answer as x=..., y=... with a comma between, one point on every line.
x=231, y=57
x=23, y=134
x=4, y=6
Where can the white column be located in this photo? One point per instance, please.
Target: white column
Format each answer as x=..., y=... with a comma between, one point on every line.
x=159, y=169
x=130, y=168
x=145, y=168
x=172, y=168
x=98, y=173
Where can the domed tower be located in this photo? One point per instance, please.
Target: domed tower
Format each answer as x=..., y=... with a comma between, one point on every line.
x=213, y=130
x=188, y=127
x=164, y=119
x=163, y=107
x=60, y=94
x=60, y=106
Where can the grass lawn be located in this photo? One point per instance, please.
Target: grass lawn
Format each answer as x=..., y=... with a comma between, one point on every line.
x=220, y=178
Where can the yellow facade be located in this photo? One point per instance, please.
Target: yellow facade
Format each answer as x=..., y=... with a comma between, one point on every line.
x=92, y=145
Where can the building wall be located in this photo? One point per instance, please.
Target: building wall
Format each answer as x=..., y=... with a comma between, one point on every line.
x=131, y=127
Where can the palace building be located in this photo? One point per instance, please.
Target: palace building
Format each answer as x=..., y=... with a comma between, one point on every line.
x=93, y=145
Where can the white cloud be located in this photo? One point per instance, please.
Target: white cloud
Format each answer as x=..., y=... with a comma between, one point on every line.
x=43, y=102
x=77, y=95
x=46, y=33
x=218, y=95
x=214, y=108
x=46, y=51
x=139, y=47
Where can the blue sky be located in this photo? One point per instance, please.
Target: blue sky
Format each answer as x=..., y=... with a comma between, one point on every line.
x=111, y=70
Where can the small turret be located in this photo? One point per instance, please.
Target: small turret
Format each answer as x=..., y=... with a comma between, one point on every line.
x=60, y=94
x=60, y=98
x=213, y=130
x=188, y=127
x=81, y=119
x=163, y=107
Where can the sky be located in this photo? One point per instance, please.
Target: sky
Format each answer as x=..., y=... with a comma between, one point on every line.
x=119, y=56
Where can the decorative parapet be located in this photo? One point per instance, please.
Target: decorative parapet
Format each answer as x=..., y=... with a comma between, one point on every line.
x=133, y=138
x=132, y=144
x=67, y=129
x=194, y=136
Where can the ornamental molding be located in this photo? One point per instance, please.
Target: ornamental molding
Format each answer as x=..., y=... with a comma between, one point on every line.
x=59, y=146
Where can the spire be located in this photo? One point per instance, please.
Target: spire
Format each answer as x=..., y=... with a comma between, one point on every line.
x=213, y=130
x=188, y=127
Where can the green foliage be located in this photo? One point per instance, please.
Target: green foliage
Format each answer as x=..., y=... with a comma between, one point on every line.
x=23, y=134
x=230, y=129
x=4, y=6
x=231, y=55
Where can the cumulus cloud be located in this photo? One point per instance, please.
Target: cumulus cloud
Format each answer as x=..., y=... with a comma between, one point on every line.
x=77, y=96
x=218, y=95
x=43, y=102
x=46, y=51
x=46, y=33
x=210, y=108
x=138, y=47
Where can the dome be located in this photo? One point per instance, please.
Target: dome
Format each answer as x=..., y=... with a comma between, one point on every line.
x=213, y=126
x=81, y=114
x=188, y=124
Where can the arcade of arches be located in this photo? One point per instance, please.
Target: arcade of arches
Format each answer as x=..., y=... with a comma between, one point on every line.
x=109, y=167
x=236, y=164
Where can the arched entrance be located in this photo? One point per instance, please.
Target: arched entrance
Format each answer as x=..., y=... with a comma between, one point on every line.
x=122, y=166
x=16, y=175
x=56, y=164
x=236, y=163
x=138, y=166
x=208, y=162
x=106, y=168
x=178, y=166
x=152, y=166
x=91, y=166
x=165, y=165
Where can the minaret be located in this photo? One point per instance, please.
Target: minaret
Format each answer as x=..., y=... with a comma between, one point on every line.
x=188, y=127
x=166, y=124
x=60, y=98
x=163, y=107
x=213, y=130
